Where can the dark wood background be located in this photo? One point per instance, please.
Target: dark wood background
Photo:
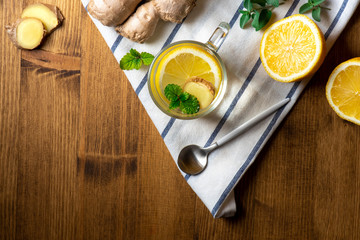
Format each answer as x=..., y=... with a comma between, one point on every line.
x=80, y=158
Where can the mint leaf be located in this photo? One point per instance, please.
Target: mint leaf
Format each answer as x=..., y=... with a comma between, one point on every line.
x=184, y=96
x=274, y=3
x=261, y=19
x=137, y=63
x=134, y=53
x=317, y=2
x=306, y=7
x=147, y=58
x=260, y=2
x=258, y=12
x=265, y=16
x=244, y=19
x=129, y=62
x=187, y=103
x=172, y=92
x=190, y=106
x=316, y=14
x=313, y=5
x=255, y=22
x=243, y=11
x=248, y=5
x=134, y=60
x=174, y=104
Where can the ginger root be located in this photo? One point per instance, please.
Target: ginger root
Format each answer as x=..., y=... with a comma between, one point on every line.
x=112, y=12
x=203, y=90
x=49, y=15
x=37, y=21
x=141, y=25
x=26, y=33
x=174, y=10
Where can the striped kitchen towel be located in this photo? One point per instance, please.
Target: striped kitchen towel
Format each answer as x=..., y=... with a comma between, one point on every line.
x=250, y=90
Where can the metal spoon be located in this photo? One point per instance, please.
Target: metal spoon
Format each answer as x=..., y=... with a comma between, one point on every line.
x=193, y=159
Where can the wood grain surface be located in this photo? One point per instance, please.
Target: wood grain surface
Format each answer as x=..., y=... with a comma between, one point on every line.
x=80, y=158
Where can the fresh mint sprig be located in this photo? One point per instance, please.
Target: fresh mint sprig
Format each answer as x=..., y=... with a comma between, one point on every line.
x=315, y=8
x=187, y=103
x=134, y=60
x=259, y=11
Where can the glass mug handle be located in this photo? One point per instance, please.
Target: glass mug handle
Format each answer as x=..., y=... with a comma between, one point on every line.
x=218, y=37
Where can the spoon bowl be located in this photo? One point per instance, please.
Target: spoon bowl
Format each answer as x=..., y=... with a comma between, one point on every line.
x=193, y=159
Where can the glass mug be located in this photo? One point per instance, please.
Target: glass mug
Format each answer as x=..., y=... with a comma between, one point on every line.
x=210, y=47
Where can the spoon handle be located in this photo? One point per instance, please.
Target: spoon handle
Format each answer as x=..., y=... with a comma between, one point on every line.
x=242, y=128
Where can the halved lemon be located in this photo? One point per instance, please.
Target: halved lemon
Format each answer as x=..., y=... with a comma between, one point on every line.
x=292, y=48
x=343, y=90
x=185, y=62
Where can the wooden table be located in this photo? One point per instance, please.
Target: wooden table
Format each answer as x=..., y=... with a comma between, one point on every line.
x=81, y=159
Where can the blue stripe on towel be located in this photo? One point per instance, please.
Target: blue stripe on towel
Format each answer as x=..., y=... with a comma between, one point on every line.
x=116, y=43
x=336, y=20
x=241, y=91
x=292, y=8
x=167, y=128
x=172, y=34
x=142, y=84
x=270, y=126
x=236, y=15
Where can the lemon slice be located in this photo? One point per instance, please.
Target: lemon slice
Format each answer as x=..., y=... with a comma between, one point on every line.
x=186, y=62
x=343, y=90
x=292, y=48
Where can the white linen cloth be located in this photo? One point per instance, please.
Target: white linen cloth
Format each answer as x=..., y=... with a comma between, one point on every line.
x=250, y=90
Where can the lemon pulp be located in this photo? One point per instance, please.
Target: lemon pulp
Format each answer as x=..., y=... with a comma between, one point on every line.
x=343, y=90
x=289, y=52
x=292, y=48
x=184, y=62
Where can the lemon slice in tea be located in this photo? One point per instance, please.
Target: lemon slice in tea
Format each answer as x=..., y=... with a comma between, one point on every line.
x=186, y=62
